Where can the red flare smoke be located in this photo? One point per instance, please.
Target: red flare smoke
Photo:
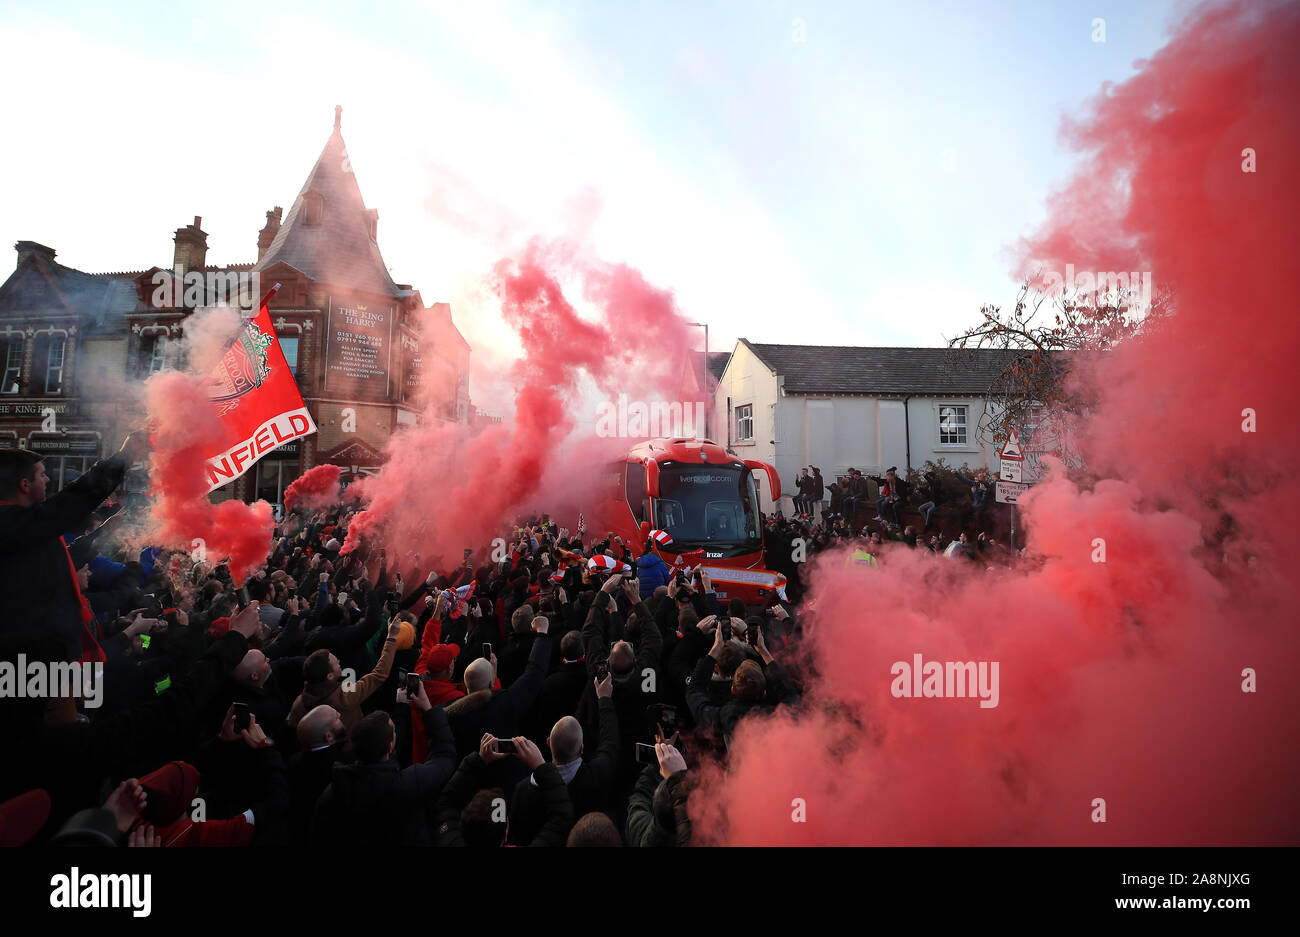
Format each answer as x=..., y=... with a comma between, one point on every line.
x=443, y=488
x=181, y=516
x=316, y=488
x=1124, y=673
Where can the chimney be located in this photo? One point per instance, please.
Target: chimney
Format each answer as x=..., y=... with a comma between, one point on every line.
x=191, y=247
x=27, y=248
x=372, y=223
x=267, y=235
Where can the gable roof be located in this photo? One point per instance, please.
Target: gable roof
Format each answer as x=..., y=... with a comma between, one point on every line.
x=41, y=284
x=715, y=362
x=842, y=369
x=339, y=249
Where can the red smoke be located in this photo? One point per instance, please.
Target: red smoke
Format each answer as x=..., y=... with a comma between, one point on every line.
x=1120, y=680
x=444, y=487
x=316, y=488
x=181, y=516
x=185, y=430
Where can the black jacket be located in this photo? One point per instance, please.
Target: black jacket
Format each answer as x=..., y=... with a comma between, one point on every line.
x=467, y=780
x=642, y=828
x=559, y=697
x=707, y=713
x=72, y=761
x=633, y=691
x=501, y=711
x=309, y=774
x=37, y=588
x=383, y=804
x=512, y=660
x=589, y=790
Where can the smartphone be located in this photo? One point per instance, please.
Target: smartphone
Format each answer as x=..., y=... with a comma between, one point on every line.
x=468, y=553
x=243, y=716
x=602, y=670
x=664, y=717
x=487, y=651
x=645, y=754
x=504, y=746
x=726, y=629
x=751, y=634
x=413, y=684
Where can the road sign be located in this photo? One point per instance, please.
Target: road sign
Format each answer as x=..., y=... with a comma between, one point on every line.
x=1011, y=450
x=1010, y=470
x=1010, y=492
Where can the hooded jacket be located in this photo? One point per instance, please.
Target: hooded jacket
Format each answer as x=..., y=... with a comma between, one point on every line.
x=652, y=572
x=642, y=827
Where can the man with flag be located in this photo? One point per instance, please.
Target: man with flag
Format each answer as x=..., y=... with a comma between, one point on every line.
x=39, y=592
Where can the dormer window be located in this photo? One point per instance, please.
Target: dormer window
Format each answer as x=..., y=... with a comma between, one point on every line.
x=313, y=208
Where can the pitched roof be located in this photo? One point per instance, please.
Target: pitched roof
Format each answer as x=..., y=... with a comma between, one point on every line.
x=339, y=249
x=41, y=284
x=716, y=362
x=839, y=369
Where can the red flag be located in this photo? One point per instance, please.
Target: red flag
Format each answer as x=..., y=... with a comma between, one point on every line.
x=257, y=398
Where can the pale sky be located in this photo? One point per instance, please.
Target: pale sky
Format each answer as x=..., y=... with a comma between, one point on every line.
x=818, y=173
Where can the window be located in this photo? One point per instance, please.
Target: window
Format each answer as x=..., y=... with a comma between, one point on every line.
x=290, y=348
x=58, y=346
x=314, y=205
x=11, y=357
x=637, y=496
x=745, y=422
x=952, y=425
x=64, y=470
x=157, y=354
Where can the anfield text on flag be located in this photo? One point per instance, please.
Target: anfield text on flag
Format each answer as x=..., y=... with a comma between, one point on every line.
x=275, y=432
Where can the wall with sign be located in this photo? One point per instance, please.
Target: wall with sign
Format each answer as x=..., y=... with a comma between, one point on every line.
x=358, y=349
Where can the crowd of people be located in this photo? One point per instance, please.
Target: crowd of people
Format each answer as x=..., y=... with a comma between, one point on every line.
x=515, y=695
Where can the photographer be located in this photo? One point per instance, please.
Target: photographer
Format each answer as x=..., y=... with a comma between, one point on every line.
x=469, y=815
x=656, y=811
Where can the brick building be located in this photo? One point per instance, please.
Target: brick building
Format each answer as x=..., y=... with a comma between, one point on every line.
x=366, y=352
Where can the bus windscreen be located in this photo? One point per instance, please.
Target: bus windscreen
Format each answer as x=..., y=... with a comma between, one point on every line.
x=705, y=504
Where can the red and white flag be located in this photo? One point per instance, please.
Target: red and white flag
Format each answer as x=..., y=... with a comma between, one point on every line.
x=257, y=399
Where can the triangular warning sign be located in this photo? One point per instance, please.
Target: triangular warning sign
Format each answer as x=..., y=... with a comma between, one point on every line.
x=1011, y=451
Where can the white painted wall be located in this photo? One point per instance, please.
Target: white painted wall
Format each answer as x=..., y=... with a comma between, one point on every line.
x=836, y=433
x=923, y=416
x=747, y=381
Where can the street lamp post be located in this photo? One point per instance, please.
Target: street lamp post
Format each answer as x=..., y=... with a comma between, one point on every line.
x=709, y=407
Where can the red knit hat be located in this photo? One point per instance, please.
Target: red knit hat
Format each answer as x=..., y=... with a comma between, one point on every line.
x=218, y=627
x=171, y=789
x=441, y=657
x=23, y=817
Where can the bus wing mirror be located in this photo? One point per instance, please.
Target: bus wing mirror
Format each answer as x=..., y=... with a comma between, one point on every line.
x=652, y=478
x=773, y=480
